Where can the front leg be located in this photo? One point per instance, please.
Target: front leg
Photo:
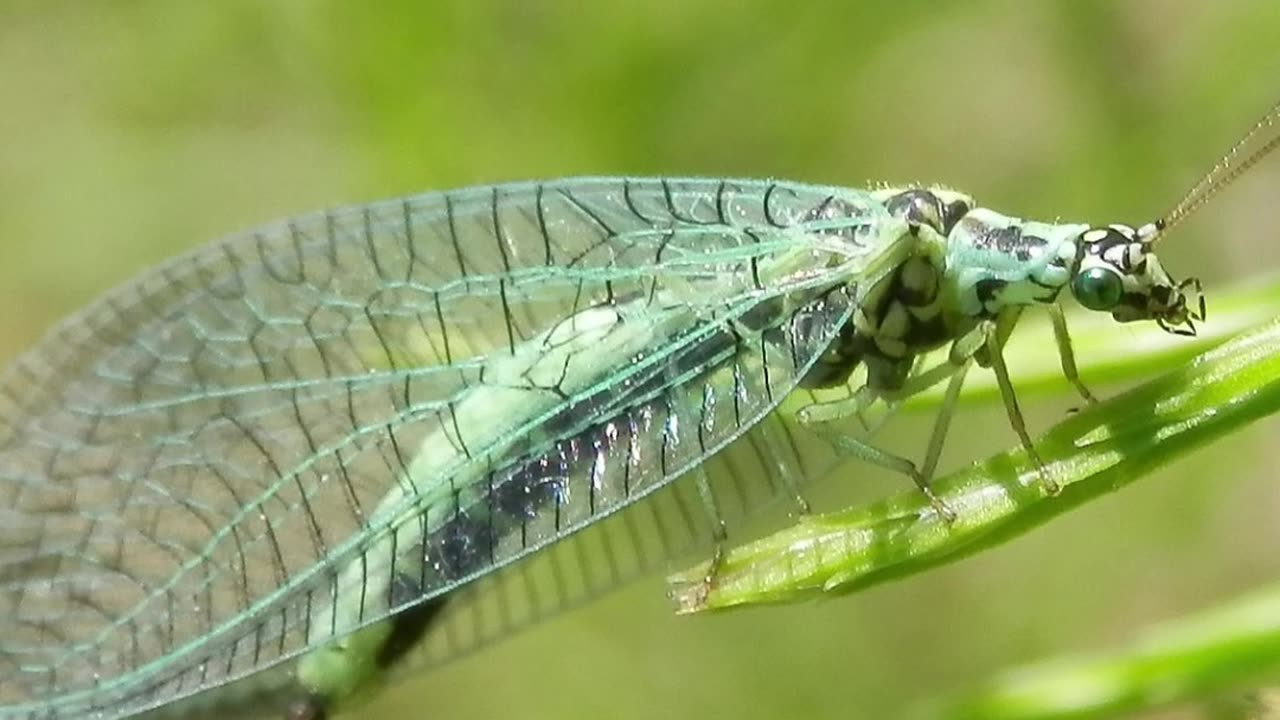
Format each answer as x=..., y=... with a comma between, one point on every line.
x=993, y=354
x=1066, y=354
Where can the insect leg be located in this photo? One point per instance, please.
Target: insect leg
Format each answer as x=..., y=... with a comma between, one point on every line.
x=993, y=353
x=959, y=360
x=942, y=421
x=769, y=430
x=1066, y=354
x=869, y=453
x=719, y=532
x=955, y=367
x=818, y=417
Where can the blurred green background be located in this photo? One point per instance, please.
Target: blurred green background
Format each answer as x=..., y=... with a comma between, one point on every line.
x=133, y=131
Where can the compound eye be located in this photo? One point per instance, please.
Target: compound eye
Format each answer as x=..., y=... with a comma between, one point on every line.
x=1098, y=288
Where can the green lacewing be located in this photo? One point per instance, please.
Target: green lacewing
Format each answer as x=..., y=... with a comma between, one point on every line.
x=247, y=480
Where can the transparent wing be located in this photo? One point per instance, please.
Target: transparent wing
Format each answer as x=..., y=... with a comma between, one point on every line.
x=671, y=523
x=297, y=431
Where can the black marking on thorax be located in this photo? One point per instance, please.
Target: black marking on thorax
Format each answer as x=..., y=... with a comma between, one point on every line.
x=1010, y=240
x=923, y=207
x=901, y=318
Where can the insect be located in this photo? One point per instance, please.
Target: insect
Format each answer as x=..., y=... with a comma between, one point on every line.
x=250, y=477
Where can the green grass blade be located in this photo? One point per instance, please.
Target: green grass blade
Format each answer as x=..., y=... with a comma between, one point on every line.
x=1090, y=453
x=1227, y=647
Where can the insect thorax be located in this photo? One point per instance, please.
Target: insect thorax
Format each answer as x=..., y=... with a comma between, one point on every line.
x=967, y=265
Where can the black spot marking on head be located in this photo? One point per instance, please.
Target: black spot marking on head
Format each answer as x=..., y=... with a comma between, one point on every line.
x=1110, y=238
x=1132, y=306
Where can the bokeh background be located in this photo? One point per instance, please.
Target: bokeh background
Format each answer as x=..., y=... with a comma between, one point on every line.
x=132, y=131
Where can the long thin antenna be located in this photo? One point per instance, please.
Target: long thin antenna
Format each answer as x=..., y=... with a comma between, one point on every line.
x=1256, y=144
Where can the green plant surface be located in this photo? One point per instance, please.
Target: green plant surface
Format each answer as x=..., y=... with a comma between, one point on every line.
x=1234, y=645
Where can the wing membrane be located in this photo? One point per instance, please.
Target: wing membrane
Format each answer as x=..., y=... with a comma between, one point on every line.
x=297, y=431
